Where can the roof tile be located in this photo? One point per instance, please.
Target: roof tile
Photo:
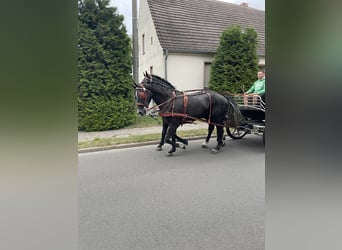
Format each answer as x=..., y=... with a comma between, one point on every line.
x=197, y=25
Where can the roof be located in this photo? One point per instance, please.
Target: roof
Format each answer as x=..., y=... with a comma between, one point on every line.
x=197, y=25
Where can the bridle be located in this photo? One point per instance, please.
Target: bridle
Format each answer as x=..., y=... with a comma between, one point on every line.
x=141, y=94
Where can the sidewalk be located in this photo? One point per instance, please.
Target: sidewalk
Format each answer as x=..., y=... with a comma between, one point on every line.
x=89, y=136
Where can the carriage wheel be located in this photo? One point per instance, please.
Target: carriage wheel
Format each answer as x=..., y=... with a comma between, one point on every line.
x=236, y=133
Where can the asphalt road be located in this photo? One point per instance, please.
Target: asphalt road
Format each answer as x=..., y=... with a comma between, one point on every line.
x=138, y=198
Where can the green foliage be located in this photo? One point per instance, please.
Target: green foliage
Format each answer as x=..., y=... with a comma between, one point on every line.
x=235, y=65
x=101, y=113
x=105, y=95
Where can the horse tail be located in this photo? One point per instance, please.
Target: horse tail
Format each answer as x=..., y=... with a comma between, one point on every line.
x=234, y=114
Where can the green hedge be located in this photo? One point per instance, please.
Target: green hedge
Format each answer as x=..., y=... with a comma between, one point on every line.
x=98, y=113
x=105, y=94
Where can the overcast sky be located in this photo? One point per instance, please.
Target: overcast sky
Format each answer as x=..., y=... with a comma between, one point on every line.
x=125, y=8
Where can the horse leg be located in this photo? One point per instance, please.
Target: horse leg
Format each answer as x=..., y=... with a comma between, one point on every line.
x=170, y=134
x=161, y=143
x=210, y=131
x=219, y=130
x=162, y=140
x=180, y=139
x=223, y=137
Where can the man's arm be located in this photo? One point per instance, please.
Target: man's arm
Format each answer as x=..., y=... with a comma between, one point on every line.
x=251, y=89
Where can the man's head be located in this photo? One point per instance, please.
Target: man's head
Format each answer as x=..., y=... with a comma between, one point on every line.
x=261, y=74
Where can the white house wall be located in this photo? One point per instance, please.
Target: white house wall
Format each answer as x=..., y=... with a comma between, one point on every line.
x=153, y=56
x=186, y=71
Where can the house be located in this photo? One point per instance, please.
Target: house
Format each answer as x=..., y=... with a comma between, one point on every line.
x=178, y=38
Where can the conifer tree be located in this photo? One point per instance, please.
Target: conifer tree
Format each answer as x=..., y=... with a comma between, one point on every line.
x=235, y=65
x=105, y=95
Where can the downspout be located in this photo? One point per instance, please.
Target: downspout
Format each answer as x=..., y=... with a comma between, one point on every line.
x=135, y=52
x=166, y=53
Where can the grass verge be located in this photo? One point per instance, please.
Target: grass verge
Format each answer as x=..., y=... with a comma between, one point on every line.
x=146, y=121
x=98, y=142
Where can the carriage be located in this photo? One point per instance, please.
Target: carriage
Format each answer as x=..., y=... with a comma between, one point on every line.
x=238, y=114
x=253, y=110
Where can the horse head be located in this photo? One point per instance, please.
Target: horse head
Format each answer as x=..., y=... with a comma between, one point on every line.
x=156, y=88
x=143, y=98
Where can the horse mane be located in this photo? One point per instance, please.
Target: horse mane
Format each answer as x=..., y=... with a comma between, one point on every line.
x=161, y=81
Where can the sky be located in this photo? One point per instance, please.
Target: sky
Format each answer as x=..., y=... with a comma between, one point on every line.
x=125, y=8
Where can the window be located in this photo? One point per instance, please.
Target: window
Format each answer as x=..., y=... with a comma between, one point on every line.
x=143, y=44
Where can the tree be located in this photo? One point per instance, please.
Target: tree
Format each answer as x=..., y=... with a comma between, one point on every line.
x=105, y=94
x=235, y=65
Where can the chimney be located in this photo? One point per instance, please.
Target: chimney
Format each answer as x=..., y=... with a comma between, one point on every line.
x=244, y=4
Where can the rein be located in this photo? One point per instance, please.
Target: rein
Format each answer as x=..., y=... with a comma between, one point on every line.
x=158, y=105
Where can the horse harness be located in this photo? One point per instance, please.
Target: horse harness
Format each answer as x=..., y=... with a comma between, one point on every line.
x=186, y=118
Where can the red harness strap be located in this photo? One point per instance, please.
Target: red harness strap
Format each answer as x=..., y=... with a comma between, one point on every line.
x=185, y=106
x=175, y=114
x=209, y=118
x=173, y=103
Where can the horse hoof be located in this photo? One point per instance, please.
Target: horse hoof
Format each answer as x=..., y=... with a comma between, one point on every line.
x=169, y=154
x=186, y=142
x=183, y=147
x=177, y=145
x=204, y=145
x=159, y=148
x=214, y=150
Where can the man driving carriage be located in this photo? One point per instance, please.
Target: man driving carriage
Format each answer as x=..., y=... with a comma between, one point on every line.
x=257, y=89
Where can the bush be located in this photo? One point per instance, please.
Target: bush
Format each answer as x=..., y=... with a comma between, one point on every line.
x=235, y=65
x=105, y=95
x=98, y=114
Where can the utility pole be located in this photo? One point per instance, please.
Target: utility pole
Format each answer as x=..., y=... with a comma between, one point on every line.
x=135, y=42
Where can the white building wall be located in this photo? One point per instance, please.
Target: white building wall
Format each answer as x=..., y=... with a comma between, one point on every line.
x=186, y=71
x=151, y=54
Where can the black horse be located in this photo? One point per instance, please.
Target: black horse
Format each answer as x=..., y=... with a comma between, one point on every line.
x=143, y=103
x=178, y=108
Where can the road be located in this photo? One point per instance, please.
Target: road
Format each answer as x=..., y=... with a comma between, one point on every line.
x=138, y=198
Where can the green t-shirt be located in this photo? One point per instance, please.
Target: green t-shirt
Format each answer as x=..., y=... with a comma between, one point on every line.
x=258, y=87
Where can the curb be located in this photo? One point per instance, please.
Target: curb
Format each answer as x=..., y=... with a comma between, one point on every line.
x=129, y=145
